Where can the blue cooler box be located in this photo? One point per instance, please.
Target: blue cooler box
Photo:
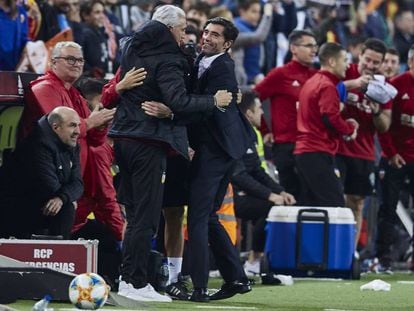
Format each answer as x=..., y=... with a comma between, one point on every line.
x=310, y=241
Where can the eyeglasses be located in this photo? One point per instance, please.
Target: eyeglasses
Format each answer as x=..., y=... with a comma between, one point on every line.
x=309, y=46
x=71, y=60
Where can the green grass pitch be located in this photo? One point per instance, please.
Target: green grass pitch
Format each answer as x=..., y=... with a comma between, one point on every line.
x=306, y=295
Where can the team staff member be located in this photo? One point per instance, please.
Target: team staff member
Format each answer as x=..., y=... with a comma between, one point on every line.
x=398, y=147
x=282, y=86
x=391, y=66
x=355, y=159
x=320, y=127
x=255, y=192
x=41, y=183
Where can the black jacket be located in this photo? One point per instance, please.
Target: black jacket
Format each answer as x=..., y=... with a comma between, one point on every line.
x=41, y=167
x=155, y=49
x=250, y=177
x=229, y=129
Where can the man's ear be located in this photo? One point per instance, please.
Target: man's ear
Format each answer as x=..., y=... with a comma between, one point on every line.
x=332, y=62
x=249, y=114
x=228, y=44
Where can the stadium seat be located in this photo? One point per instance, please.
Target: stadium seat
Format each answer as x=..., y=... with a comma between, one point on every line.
x=9, y=121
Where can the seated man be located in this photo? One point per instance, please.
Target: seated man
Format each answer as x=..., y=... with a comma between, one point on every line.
x=42, y=180
x=255, y=192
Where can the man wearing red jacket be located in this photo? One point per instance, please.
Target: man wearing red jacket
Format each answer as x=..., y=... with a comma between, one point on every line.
x=320, y=127
x=282, y=86
x=398, y=147
x=355, y=159
x=54, y=89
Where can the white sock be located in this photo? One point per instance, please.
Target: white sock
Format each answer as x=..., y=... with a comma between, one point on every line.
x=174, y=268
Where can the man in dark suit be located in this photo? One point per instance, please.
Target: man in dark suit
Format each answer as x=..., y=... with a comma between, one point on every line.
x=218, y=141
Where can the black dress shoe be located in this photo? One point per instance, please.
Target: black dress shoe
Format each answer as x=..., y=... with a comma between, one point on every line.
x=200, y=295
x=228, y=290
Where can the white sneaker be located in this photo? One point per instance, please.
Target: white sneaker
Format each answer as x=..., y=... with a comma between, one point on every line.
x=253, y=268
x=146, y=293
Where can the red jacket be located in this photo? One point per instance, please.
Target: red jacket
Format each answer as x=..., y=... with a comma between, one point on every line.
x=282, y=86
x=357, y=107
x=320, y=125
x=48, y=92
x=400, y=137
x=110, y=97
x=103, y=203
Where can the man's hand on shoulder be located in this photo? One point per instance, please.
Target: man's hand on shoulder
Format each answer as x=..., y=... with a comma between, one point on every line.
x=132, y=78
x=222, y=98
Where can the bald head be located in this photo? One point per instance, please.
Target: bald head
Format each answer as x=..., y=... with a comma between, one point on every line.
x=65, y=123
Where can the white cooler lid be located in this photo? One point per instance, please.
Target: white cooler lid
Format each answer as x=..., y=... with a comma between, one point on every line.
x=337, y=215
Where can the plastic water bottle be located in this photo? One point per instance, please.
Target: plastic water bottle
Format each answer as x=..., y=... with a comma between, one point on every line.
x=41, y=305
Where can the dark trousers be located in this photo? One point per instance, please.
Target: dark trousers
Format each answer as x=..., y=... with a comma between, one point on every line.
x=33, y=221
x=256, y=210
x=209, y=176
x=394, y=180
x=320, y=185
x=284, y=160
x=61, y=223
x=142, y=168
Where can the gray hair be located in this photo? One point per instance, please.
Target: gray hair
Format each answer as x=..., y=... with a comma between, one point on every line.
x=60, y=45
x=59, y=115
x=169, y=15
x=54, y=117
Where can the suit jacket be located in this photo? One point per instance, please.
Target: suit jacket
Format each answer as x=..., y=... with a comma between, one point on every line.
x=229, y=129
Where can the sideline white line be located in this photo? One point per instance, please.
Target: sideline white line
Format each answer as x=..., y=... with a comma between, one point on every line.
x=405, y=282
x=226, y=307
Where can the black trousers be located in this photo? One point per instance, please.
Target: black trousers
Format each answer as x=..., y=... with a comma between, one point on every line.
x=256, y=210
x=393, y=182
x=142, y=168
x=285, y=163
x=209, y=177
x=61, y=223
x=320, y=186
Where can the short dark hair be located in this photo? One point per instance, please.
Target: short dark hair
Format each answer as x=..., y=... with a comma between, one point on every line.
x=329, y=50
x=230, y=31
x=393, y=51
x=191, y=30
x=248, y=101
x=89, y=87
x=375, y=45
x=200, y=6
x=87, y=7
x=246, y=4
x=297, y=35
